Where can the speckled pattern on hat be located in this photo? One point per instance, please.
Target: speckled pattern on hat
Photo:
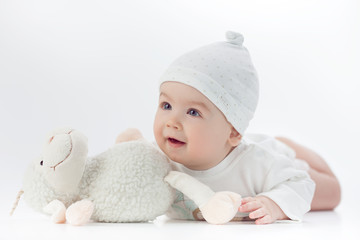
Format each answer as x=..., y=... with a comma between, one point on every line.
x=224, y=73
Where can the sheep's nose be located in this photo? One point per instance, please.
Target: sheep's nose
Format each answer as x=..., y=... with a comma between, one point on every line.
x=51, y=139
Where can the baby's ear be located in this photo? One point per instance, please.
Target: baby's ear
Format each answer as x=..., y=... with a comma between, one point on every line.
x=235, y=137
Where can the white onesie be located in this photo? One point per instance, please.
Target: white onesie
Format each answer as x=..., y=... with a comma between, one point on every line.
x=259, y=165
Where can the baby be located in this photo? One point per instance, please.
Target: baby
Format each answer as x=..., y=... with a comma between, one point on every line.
x=207, y=99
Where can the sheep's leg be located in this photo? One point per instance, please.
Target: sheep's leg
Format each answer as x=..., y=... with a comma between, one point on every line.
x=216, y=208
x=57, y=210
x=79, y=213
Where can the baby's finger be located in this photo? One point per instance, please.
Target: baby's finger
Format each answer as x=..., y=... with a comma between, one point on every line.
x=250, y=206
x=247, y=199
x=264, y=220
x=259, y=213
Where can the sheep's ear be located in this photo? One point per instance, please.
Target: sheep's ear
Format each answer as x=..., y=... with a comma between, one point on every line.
x=16, y=202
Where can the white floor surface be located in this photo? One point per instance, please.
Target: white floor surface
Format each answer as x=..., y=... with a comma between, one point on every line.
x=339, y=224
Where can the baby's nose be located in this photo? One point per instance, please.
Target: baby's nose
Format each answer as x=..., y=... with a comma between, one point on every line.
x=173, y=124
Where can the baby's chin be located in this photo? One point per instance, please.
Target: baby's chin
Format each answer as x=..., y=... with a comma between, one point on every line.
x=186, y=163
x=176, y=158
x=179, y=156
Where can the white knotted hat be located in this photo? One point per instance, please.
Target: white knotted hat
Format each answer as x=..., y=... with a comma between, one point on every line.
x=224, y=73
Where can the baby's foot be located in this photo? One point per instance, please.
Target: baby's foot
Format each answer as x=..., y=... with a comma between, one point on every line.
x=80, y=212
x=221, y=208
x=57, y=210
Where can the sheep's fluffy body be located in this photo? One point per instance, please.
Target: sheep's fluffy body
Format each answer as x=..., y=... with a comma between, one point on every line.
x=125, y=183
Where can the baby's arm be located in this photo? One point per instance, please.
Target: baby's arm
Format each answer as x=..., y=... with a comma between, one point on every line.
x=263, y=209
x=285, y=193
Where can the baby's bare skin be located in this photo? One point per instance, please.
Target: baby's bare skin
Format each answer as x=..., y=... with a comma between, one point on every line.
x=262, y=209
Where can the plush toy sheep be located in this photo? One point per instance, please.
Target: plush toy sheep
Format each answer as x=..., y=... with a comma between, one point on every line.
x=130, y=182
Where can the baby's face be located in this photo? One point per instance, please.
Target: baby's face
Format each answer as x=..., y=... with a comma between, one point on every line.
x=189, y=128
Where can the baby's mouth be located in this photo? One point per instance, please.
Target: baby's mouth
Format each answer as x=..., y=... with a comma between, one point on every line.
x=174, y=142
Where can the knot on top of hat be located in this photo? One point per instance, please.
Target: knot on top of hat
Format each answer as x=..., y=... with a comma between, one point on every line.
x=234, y=38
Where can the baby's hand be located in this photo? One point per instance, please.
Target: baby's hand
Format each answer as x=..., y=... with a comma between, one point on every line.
x=263, y=209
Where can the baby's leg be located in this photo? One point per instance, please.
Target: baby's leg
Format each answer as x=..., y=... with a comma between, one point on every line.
x=327, y=193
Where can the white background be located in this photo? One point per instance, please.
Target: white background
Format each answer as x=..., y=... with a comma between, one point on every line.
x=94, y=66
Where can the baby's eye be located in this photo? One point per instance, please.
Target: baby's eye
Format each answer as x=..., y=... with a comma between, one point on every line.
x=193, y=112
x=166, y=106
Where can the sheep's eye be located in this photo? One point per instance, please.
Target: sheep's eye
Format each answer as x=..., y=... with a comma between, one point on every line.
x=41, y=163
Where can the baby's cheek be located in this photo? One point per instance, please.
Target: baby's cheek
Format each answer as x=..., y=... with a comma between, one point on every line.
x=158, y=137
x=157, y=128
x=203, y=144
x=159, y=140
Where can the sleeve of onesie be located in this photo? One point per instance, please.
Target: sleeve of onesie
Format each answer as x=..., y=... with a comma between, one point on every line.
x=288, y=187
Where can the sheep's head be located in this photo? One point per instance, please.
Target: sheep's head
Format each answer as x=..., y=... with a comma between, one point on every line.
x=56, y=174
x=63, y=159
